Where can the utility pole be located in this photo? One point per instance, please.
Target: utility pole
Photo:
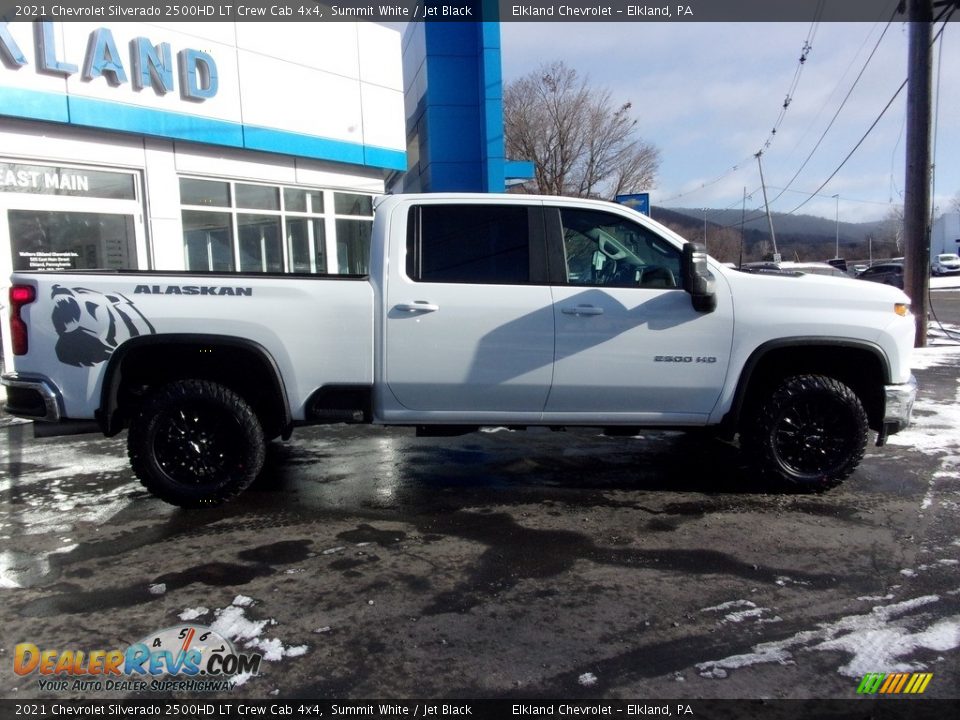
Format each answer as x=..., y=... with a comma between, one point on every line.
x=836, y=252
x=743, y=215
x=704, y=228
x=773, y=237
x=916, y=201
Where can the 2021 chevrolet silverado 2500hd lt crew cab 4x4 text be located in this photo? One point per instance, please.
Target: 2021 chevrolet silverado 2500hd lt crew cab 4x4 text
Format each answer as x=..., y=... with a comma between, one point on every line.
x=478, y=310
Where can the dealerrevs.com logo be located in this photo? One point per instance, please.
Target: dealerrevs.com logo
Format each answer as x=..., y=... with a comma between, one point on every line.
x=185, y=657
x=894, y=683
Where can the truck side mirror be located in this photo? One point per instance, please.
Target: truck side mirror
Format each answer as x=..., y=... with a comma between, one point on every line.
x=697, y=278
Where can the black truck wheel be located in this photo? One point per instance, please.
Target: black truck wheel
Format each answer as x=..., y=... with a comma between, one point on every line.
x=810, y=433
x=195, y=443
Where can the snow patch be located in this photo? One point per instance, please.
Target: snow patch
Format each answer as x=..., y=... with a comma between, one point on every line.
x=231, y=622
x=587, y=679
x=873, y=639
x=752, y=612
x=933, y=431
x=939, y=356
x=194, y=613
x=728, y=605
x=783, y=581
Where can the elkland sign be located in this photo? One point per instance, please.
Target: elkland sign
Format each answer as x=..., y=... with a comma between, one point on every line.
x=151, y=66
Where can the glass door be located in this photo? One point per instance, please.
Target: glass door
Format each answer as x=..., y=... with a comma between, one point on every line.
x=58, y=218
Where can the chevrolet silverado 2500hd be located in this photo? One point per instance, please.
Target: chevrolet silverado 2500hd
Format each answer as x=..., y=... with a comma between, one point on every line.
x=478, y=310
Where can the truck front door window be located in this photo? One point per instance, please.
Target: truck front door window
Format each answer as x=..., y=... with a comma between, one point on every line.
x=609, y=251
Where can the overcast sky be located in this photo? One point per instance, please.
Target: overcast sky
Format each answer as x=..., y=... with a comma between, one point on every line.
x=708, y=94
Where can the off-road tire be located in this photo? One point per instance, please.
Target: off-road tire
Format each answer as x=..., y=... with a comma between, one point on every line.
x=808, y=434
x=195, y=443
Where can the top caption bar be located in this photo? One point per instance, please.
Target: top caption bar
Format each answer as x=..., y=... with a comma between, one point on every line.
x=467, y=10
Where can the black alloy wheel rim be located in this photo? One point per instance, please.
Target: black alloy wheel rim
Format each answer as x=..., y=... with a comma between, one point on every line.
x=197, y=444
x=812, y=436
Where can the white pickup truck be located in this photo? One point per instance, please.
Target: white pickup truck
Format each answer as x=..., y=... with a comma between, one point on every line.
x=478, y=310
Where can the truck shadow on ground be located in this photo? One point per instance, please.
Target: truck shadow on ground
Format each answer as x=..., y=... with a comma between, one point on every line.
x=426, y=474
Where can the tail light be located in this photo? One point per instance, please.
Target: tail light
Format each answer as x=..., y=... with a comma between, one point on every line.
x=20, y=295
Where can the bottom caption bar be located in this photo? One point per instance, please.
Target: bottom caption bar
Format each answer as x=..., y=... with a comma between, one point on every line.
x=913, y=709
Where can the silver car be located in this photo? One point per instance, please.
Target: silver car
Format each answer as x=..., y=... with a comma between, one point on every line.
x=946, y=264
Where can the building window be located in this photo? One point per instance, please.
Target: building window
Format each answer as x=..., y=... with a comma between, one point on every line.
x=260, y=247
x=50, y=240
x=253, y=227
x=208, y=240
x=70, y=218
x=354, y=223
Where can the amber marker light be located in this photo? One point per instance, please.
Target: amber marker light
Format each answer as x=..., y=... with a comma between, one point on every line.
x=901, y=309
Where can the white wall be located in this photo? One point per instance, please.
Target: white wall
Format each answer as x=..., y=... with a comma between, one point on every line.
x=945, y=235
x=338, y=81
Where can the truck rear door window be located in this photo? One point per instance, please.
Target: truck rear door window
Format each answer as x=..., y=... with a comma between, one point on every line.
x=480, y=244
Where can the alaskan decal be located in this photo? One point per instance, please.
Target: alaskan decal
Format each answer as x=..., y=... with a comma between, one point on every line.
x=91, y=325
x=191, y=290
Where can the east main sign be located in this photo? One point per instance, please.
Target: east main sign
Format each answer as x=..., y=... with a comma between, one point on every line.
x=151, y=66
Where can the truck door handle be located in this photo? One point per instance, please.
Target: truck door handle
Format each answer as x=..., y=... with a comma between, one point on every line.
x=418, y=306
x=582, y=310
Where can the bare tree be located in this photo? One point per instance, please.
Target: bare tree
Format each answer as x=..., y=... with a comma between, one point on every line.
x=955, y=203
x=892, y=231
x=582, y=144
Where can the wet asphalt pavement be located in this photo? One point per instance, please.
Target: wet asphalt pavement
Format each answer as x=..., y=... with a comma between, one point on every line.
x=369, y=563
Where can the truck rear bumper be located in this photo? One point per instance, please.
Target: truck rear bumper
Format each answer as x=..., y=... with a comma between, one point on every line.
x=32, y=396
x=897, y=408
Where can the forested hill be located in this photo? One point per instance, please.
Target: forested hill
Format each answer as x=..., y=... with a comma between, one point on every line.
x=803, y=237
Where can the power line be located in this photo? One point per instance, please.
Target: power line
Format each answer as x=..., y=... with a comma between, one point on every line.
x=894, y=190
x=824, y=195
x=813, y=123
x=855, y=148
x=739, y=166
x=870, y=129
x=842, y=105
x=805, y=51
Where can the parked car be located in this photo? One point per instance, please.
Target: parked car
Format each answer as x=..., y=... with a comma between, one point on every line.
x=813, y=268
x=791, y=268
x=763, y=268
x=946, y=264
x=888, y=273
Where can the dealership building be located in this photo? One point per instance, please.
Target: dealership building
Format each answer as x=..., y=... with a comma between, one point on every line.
x=235, y=146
